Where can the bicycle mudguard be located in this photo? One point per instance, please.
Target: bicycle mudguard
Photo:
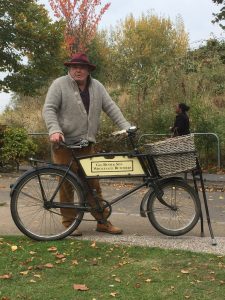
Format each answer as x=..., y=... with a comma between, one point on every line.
x=13, y=186
x=146, y=196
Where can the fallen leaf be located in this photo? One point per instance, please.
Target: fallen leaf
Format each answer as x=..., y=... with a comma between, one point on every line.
x=60, y=256
x=80, y=287
x=117, y=279
x=37, y=275
x=24, y=272
x=148, y=280
x=32, y=281
x=198, y=281
x=185, y=272
x=74, y=262
x=113, y=294
x=48, y=265
x=14, y=248
x=6, y=276
x=32, y=252
x=52, y=249
x=93, y=245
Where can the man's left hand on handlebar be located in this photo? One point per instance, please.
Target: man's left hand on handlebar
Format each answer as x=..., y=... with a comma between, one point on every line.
x=125, y=132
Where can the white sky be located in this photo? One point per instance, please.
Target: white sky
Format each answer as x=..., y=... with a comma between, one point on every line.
x=196, y=14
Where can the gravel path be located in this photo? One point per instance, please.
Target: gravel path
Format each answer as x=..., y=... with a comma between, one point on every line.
x=190, y=243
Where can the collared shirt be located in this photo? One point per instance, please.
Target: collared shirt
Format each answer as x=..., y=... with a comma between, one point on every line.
x=85, y=98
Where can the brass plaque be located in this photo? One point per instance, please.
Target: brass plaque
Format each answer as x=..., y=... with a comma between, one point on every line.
x=118, y=165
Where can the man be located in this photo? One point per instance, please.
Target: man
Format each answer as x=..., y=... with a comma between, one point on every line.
x=72, y=112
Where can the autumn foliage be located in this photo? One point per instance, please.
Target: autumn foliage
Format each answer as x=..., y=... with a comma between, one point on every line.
x=81, y=19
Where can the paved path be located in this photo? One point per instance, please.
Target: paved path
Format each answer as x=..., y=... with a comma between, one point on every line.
x=137, y=230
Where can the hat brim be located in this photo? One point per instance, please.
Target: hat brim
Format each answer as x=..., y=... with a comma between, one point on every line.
x=90, y=66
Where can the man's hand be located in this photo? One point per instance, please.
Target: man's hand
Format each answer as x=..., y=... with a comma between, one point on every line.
x=120, y=132
x=56, y=137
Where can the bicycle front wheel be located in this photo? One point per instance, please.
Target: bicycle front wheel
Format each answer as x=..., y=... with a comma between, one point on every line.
x=180, y=212
x=28, y=204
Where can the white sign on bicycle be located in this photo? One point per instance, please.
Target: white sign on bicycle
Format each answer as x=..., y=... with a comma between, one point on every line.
x=118, y=165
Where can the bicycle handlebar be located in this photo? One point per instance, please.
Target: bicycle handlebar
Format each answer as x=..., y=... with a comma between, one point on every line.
x=129, y=131
x=85, y=143
x=78, y=145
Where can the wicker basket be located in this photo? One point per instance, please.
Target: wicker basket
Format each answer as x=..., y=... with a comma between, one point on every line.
x=173, y=155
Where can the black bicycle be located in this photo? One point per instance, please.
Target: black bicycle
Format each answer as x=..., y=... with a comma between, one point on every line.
x=171, y=204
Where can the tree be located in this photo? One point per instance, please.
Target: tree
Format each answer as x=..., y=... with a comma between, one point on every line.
x=219, y=17
x=81, y=21
x=144, y=50
x=144, y=46
x=30, y=46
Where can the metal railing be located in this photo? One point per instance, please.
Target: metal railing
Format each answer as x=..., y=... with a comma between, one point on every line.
x=195, y=134
x=164, y=134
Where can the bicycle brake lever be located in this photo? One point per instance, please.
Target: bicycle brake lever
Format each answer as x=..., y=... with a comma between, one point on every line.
x=84, y=143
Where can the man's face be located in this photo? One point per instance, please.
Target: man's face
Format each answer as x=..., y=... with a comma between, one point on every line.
x=79, y=73
x=178, y=110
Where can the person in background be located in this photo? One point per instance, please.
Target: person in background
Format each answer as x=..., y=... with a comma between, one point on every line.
x=71, y=112
x=181, y=123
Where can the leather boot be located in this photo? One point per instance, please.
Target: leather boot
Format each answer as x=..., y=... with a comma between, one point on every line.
x=108, y=228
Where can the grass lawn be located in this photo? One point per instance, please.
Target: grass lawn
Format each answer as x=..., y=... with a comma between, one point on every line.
x=72, y=269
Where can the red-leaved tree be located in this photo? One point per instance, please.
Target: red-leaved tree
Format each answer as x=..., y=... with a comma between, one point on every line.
x=81, y=18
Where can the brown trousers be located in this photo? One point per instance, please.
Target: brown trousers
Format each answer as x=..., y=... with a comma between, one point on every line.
x=62, y=155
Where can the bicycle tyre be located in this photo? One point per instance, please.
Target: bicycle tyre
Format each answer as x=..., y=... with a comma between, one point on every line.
x=27, y=209
x=178, y=221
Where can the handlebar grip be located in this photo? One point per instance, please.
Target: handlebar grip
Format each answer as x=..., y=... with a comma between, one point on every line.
x=78, y=145
x=132, y=129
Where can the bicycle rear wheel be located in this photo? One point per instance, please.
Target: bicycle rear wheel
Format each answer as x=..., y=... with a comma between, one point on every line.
x=29, y=211
x=182, y=212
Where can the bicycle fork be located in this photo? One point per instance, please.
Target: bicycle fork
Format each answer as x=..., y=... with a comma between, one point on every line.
x=159, y=194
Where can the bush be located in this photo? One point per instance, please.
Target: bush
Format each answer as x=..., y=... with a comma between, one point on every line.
x=17, y=145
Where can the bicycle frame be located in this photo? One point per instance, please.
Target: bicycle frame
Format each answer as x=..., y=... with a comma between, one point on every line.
x=129, y=164
x=122, y=165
